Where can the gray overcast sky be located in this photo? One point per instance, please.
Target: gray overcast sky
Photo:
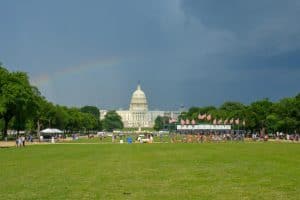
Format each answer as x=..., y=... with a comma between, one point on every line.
x=190, y=52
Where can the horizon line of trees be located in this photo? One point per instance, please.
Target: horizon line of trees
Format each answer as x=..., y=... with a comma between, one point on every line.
x=22, y=107
x=262, y=116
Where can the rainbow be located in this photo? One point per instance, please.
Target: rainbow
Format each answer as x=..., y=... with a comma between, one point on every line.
x=67, y=71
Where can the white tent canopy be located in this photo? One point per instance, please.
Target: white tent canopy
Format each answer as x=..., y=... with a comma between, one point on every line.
x=51, y=130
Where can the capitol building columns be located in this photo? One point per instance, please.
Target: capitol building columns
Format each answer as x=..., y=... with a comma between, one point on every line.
x=138, y=115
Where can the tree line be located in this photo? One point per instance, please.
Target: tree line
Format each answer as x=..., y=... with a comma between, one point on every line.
x=22, y=107
x=262, y=115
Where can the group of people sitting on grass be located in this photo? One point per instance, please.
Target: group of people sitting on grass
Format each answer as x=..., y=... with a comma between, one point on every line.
x=277, y=136
x=293, y=137
x=148, y=138
x=210, y=137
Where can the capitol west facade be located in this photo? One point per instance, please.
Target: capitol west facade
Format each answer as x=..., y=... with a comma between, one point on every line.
x=138, y=115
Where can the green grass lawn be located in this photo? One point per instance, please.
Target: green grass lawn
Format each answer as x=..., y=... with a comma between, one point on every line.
x=151, y=171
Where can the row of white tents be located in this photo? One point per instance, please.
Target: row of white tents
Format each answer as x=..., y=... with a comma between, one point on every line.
x=45, y=131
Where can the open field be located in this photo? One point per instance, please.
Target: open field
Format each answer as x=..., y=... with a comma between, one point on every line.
x=151, y=171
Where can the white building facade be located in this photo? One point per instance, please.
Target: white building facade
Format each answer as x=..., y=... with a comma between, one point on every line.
x=138, y=115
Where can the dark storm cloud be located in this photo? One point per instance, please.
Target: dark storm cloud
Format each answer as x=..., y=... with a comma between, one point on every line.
x=260, y=26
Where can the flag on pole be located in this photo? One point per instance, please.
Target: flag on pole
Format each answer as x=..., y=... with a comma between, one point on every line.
x=231, y=121
x=193, y=122
x=215, y=121
x=208, y=117
x=172, y=120
x=220, y=121
x=226, y=121
x=237, y=121
x=200, y=116
x=182, y=122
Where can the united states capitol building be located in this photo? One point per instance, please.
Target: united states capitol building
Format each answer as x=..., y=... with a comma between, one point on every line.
x=138, y=115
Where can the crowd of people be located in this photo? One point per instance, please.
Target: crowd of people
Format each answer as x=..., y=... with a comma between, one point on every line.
x=192, y=137
x=276, y=136
x=209, y=137
x=198, y=137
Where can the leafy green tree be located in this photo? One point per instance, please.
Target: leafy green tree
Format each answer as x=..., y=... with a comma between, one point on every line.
x=90, y=122
x=272, y=122
x=232, y=106
x=112, y=121
x=250, y=119
x=29, y=126
x=161, y=123
x=16, y=98
x=193, y=112
x=75, y=120
x=44, y=115
x=288, y=112
x=261, y=109
x=1, y=125
x=297, y=96
x=158, y=123
x=207, y=109
x=60, y=117
x=91, y=110
x=184, y=115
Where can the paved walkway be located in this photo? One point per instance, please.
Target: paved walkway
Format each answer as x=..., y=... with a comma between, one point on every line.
x=13, y=143
x=7, y=144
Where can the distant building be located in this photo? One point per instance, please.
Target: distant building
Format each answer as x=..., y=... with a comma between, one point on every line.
x=138, y=115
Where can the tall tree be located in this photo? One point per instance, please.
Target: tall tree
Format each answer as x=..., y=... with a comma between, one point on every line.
x=112, y=121
x=16, y=97
x=158, y=123
x=232, y=106
x=161, y=123
x=91, y=110
x=261, y=109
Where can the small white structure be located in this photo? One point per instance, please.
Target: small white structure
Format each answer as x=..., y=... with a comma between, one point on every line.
x=51, y=131
x=52, y=140
x=143, y=139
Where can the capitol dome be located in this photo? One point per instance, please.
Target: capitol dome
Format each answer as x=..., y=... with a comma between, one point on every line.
x=138, y=100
